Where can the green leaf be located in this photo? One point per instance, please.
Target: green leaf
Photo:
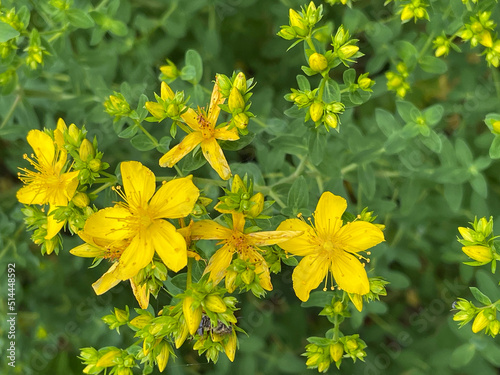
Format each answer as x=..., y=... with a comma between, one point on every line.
x=298, y=196
x=410, y=130
x=290, y=261
x=193, y=59
x=432, y=64
x=394, y=144
x=303, y=83
x=318, y=299
x=479, y=185
x=349, y=77
x=129, y=132
x=164, y=143
x=367, y=180
x=453, y=193
x=332, y=91
x=462, y=355
x=480, y=296
x=495, y=148
x=433, y=142
x=317, y=145
x=7, y=32
x=117, y=27
x=433, y=114
x=79, y=18
x=407, y=111
x=142, y=142
x=407, y=52
x=463, y=153
x=386, y=121
x=188, y=73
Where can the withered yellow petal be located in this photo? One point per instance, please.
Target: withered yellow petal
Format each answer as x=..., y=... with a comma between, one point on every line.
x=349, y=273
x=190, y=117
x=169, y=244
x=175, y=199
x=328, y=214
x=308, y=274
x=141, y=293
x=215, y=99
x=138, y=183
x=107, y=281
x=305, y=244
x=226, y=134
x=215, y=157
x=175, y=154
x=358, y=236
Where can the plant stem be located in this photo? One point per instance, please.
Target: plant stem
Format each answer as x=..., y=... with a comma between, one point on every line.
x=11, y=110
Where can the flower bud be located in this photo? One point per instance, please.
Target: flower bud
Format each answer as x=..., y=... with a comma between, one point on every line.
x=230, y=347
x=336, y=351
x=241, y=120
x=420, y=13
x=156, y=110
x=108, y=359
x=214, y=302
x=485, y=39
x=258, y=205
x=480, y=322
x=235, y=101
x=318, y=62
x=316, y=111
x=338, y=307
x=95, y=165
x=351, y=345
x=476, y=27
x=166, y=91
x=74, y=134
x=86, y=150
x=172, y=110
x=347, y=51
x=332, y=120
x=494, y=327
x=297, y=22
x=191, y=314
x=230, y=280
x=80, y=200
x=407, y=13
x=162, y=357
x=240, y=82
x=479, y=253
x=496, y=126
x=141, y=321
x=248, y=276
x=287, y=33
x=335, y=107
x=181, y=335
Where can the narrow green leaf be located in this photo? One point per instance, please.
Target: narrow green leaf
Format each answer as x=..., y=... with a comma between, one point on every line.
x=79, y=18
x=495, y=148
x=462, y=355
x=142, y=142
x=193, y=59
x=432, y=64
x=7, y=32
x=298, y=196
x=480, y=296
x=303, y=83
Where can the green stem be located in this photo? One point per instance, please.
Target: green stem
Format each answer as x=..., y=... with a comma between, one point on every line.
x=11, y=111
x=496, y=81
x=189, y=272
x=310, y=43
x=101, y=188
x=259, y=122
x=153, y=139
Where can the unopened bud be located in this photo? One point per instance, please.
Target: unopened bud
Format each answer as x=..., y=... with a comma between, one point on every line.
x=230, y=280
x=214, y=302
x=316, y=111
x=156, y=109
x=480, y=322
x=108, y=359
x=80, y=200
x=86, y=150
x=347, y=51
x=336, y=351
x=241, y=120
x=248, y=276
x=240, y=82
x=235, y=101
x=332, y=120
x=95, y=165
x=74, y=134
x=162, y=357
x=318, y=62
x=258, y=205
x=407, y=13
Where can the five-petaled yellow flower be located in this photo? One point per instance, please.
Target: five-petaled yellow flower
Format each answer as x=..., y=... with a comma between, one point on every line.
x=235, y=240
x=329, y=245
x=49, y=183
x=139, y=221
x=204, y=134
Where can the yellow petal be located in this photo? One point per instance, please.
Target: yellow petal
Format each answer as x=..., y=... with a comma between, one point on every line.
x=479, y=253
x=59, y=133
x=217, y=266
x=209, y=230
x=87, y=251
x=169, y=244
x=190, y=117
x=357, y=301
x=349, y=273
x=328, y=214
x=175, y=154
x=308, y=274
x=230, y=347
x=215, y=99
x=175, y=199
x=226, y=134
x=31, y=194
x=68, y=183
x=305, y=244
x=359, y=236
x=43, y=147
x=107, y=281
x=136, y=256
x=215, y=157
x=238, y=221
x=53, y=226
x=141, y=293
x=272, y=237
x=109, y=223
x=138, y=182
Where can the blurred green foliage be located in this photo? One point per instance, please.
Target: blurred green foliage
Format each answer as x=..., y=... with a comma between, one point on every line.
x=425, y=164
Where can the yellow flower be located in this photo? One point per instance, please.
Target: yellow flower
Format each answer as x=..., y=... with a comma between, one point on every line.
x=234, y=240
x=140, y=222
x=49, y=184
x=204, y=133
x=479, y=253
x=329, y=245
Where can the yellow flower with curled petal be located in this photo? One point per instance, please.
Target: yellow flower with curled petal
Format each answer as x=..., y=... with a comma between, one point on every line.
x=204, y=134
x=235, y=240
x=330, y=246
x=139, y=220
